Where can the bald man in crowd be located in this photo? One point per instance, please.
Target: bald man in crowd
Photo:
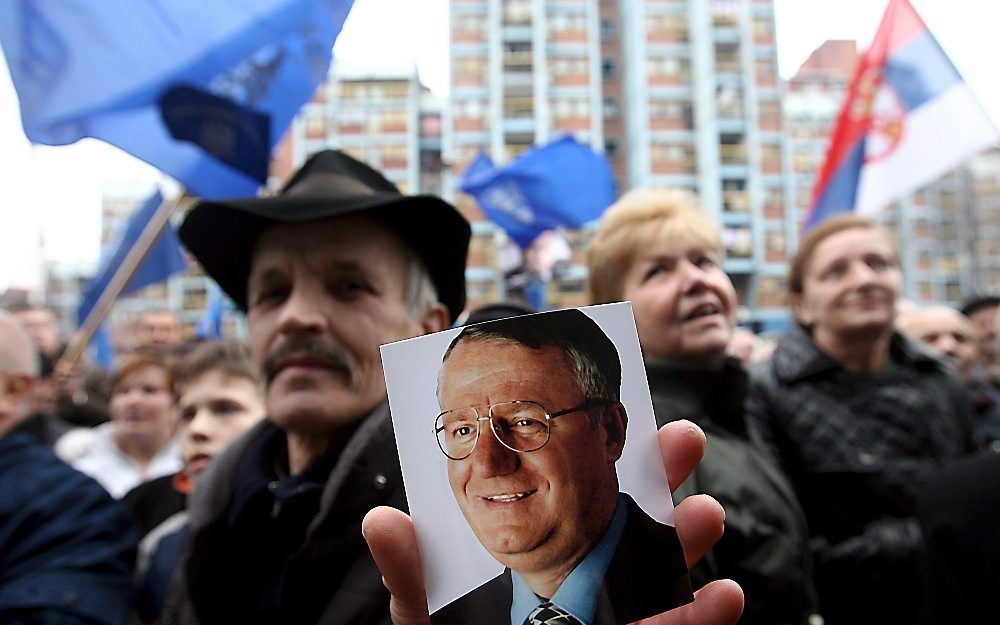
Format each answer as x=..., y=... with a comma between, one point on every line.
x=66, y=548
x=955, y=337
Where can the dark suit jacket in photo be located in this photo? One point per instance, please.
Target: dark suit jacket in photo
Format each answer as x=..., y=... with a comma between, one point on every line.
x=647, y=576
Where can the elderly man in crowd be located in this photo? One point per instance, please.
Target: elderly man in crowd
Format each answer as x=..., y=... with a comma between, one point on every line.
x=158, y=331
x=954, y=337
x=336, y=264
x=66, y=548
x=948, y=333
x=982, y=310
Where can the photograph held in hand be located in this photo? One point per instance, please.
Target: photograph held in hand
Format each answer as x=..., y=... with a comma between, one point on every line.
x=528, y=506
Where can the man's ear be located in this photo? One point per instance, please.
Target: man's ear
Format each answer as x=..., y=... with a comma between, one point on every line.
x=615, y=423
x=19, y=387
x=434, y=319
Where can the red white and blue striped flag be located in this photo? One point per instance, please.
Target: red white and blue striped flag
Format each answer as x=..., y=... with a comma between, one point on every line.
x=908, y=118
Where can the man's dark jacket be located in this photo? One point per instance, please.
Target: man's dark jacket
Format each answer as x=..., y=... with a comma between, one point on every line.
x=646, y=576
x=331, y=578
x=766, y=544
x=66, y=547
x=859, y=448
x=958, y=514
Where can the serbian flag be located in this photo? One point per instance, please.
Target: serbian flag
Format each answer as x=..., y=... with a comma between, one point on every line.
x=908, y=118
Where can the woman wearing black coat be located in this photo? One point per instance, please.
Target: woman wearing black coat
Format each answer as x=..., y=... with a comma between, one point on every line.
x=658, y=250
x=859, y=418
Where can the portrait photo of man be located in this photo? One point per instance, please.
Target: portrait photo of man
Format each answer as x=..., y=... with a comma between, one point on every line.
x=531, y=428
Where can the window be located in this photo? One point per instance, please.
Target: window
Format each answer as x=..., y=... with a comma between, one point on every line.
x=568, y=66
x=608, y=68
x=770, y=158
x=774, y=246
x=667, y=28
x=668, y=69
x=774, y=203
x=672, y=111
x=732, y=150
x=734, y=196
x=608, y=30
x=727, y=58
x=771, y=292
x=725, y=12
x=611, y=109
x=729, y=101
x=738, y=241
x=568, y=22
x=611, y=148
x=517, y=12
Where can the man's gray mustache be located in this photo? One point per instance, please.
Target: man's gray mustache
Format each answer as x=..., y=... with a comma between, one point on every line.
x=333, y=357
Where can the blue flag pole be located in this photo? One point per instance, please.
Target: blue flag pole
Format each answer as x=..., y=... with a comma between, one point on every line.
x=136, y=254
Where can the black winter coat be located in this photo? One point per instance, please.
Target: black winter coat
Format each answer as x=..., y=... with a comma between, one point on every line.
x=765, y=546
x=329, y=578
x=858, y=449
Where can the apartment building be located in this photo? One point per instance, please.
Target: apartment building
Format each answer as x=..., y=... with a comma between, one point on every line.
x=677, y=93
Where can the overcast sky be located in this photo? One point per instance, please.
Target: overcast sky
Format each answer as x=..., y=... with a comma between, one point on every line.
x=55, y=193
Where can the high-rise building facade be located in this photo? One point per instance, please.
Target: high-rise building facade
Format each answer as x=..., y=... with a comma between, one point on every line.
x=677, y=93
x=984, y=218
x=521, y=73
x=382, y=117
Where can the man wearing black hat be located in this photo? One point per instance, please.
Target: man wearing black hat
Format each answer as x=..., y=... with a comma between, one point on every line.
x=336, y=264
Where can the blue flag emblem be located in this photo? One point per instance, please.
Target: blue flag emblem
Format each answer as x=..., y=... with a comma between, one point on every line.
x=562, y=184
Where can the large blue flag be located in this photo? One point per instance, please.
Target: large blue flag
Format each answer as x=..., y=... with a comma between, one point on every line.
x=102, y=349
x=165, y=258
x=201, y=90
x=563, y=183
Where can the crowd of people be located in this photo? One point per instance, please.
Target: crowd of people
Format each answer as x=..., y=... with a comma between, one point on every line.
x=856, y=458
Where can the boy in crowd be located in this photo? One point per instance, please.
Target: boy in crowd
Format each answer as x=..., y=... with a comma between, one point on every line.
x=219, y=397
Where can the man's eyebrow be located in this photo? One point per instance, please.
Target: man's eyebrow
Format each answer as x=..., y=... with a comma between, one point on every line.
x=274, y=274
x=346, y=265
x=269, y=274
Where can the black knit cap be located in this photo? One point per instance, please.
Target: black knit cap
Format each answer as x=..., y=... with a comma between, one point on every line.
x=222, y=235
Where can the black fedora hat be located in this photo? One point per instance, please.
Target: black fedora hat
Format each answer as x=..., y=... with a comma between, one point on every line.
x=222, y=234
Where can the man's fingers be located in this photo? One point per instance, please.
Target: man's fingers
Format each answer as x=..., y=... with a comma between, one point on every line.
x=699, y=520
x=393, y=544
x=682, y=445
x=717, y=603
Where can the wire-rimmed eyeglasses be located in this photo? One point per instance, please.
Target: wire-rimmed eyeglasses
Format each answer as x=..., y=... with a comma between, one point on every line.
x=519, y=425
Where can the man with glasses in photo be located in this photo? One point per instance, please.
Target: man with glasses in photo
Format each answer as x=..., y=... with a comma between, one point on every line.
x=532, y=425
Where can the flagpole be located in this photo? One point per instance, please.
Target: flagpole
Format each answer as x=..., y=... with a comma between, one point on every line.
x=136, y=254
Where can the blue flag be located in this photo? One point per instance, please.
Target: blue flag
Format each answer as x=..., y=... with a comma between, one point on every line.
x=200, y=90
x=165, y=258
x=102, y=349
x=210, y=324
x=564, y=183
